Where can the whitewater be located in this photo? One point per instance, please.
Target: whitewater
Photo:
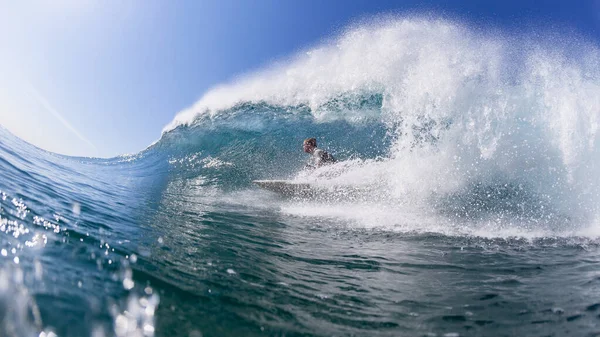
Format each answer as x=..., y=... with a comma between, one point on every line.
x=464, y=201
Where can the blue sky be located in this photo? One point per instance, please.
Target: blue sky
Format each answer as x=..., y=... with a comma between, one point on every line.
x=102, y=78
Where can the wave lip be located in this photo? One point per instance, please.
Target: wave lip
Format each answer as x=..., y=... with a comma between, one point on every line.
x=373, y=58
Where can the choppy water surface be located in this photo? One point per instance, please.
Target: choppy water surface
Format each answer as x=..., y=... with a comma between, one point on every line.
x=465, y=201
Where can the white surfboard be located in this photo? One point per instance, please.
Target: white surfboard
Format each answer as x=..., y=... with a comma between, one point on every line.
x=289, y=188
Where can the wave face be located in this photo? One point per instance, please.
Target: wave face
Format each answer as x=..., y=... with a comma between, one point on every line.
x=465, y=195
x=484, y=130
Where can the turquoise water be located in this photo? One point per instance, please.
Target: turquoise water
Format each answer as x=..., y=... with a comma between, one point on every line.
x=464, y=203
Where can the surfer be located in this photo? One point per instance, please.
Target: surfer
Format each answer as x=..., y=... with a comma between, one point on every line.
x=319, y=157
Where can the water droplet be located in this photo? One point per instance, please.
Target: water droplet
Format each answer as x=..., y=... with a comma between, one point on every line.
x=128, y=284
x=76, y=208
x=121, y=325
x=148, y=330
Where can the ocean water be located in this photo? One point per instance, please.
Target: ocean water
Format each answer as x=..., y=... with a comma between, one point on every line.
x=465, y=201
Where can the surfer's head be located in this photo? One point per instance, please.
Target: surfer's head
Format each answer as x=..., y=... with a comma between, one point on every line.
x=309, y=145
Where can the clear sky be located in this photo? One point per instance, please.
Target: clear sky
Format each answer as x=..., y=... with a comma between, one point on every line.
x=102, y=78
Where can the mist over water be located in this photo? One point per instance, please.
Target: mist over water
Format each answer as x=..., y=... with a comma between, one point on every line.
x=464, y=201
